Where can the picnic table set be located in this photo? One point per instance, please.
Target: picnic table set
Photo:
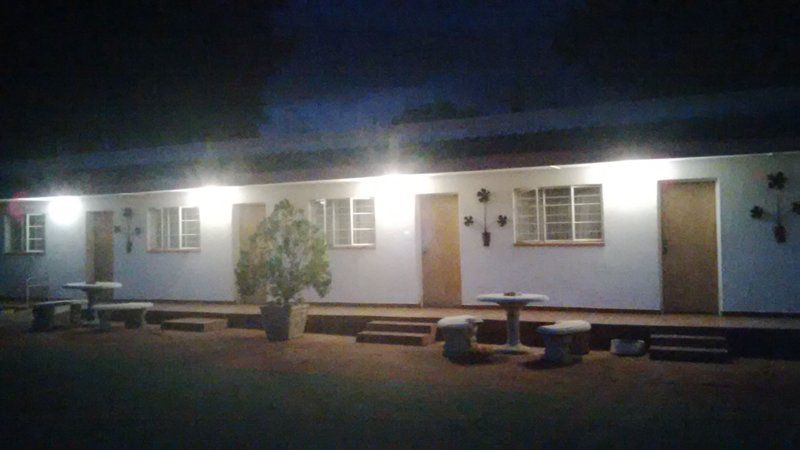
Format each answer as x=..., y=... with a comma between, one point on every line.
x=88, y=312
x=564, y=341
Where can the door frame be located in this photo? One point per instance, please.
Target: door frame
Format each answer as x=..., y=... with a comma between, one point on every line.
x=89, y=227
x=418, y=244
x=236, y=240
x=717, y=220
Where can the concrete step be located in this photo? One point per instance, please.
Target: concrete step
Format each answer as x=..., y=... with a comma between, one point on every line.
x=693, y=354
x=394, y=337
x=195, y=324
x=685, y=340
x=401, y=327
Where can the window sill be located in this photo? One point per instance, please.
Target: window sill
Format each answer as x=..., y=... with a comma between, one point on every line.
x=560, y=244
x=173, y=250
x=24, y=253
x=353, y=247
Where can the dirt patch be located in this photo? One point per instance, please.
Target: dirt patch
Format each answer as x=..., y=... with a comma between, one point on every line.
x=319, y=390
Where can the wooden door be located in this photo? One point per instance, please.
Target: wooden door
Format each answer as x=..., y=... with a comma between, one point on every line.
x=441, y=254
x=99, y=246
x=689, y=247
x=246, y=218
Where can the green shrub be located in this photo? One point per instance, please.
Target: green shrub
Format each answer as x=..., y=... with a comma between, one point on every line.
x=286, y=255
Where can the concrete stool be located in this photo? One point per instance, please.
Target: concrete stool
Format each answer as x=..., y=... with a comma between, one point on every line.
x=52, y=314
x=459, y=334
x=76, y=311
x=558, y=339
x=132, y=312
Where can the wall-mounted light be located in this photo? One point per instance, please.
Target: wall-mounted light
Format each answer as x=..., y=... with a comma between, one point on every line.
x=214, y=202
x=64, y=210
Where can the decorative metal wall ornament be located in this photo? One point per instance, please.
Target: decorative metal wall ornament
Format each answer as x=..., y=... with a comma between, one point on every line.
x=129, y=231
x=776, y=181
x=484, y=195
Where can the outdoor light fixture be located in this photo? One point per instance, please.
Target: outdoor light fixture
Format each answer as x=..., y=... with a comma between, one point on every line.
x=630, y=185
x=214, y=202
x=395, y=194
x=64, y=210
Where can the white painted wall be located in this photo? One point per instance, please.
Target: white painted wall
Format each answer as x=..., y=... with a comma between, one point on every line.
x=757, y=274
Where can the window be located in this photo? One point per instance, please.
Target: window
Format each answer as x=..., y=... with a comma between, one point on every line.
x=24, y=234
x=558, y=214
x=175, y=228
x=347, y=222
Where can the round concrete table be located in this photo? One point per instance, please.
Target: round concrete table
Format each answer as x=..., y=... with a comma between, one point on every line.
x=513, y=304
x=92, y=293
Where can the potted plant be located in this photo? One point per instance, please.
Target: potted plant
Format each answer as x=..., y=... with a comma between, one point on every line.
x=286, y=255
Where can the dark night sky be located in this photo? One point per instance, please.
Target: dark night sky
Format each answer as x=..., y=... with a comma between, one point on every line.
x=365, y=61
x=119, y=75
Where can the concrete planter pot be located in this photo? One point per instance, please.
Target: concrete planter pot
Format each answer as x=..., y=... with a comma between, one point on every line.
x=282, y=323
x=254, y=299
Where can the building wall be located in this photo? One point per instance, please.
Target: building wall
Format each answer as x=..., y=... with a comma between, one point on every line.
x=757, y=274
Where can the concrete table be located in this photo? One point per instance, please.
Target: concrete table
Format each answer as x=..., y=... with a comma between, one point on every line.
x=92, y=291
x=513, y=304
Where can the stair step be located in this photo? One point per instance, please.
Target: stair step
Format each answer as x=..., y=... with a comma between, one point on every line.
x=401, y=327
x=394, y=337
x=689, y=354
x=196, y=324
x=685, y=340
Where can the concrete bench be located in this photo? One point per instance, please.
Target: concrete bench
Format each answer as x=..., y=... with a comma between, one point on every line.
x=459, y=334
x=565, y=340
x=48, y=315
x=132, y=313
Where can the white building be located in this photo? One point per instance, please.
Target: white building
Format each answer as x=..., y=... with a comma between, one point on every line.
x=636, y=206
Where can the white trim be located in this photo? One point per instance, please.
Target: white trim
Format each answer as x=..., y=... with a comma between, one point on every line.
x=165, y=228
x=541, y=217
x=334, y=206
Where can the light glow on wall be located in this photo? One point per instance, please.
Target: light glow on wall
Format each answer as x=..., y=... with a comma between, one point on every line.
x=214, y=203
x=64, y=210
x=395, y=196
x=631, y=185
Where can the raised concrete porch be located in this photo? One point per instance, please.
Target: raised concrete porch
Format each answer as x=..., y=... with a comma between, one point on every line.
x=756, y=336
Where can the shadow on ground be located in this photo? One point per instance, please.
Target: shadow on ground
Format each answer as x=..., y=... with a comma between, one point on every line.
x=156, y=389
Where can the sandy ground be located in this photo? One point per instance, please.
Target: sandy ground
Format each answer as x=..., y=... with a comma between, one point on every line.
x=166, y=389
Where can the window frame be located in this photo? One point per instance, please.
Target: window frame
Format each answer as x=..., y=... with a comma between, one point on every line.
x=28, y=237
x=542, y=222
x=23, y=246
x=330, y=228
x=164, y=229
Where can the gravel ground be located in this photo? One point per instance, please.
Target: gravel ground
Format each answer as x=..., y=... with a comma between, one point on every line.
x=167, y=389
